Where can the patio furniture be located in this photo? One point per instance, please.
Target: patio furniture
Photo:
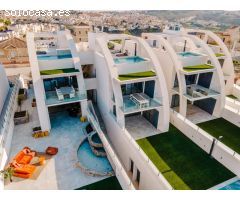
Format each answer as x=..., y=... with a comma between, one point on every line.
x=21, y=117
x=52, y=150
x=72, y=93
x=59, y=94
x=39, y=134
x=20, y=163
x=140, y=99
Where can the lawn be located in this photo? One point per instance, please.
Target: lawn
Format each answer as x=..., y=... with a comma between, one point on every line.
x=131, y=76
x=58, y=71
x=183, y=163
x=110, y=183
x=232, y=97
x=221, y=127
x=197, y=67
x=219, y=54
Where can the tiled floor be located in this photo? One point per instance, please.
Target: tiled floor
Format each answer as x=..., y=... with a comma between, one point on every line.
x=139, y=127
x=59, y=172
x=197, y=115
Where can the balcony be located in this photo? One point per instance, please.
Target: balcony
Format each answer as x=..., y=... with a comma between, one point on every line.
x=52, y=98
x=138, y=75
x=197, y=92
x=138, y=102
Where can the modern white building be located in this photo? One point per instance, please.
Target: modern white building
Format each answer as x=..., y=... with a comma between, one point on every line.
x=129, y=89
x=118, y=73
x=194, y=76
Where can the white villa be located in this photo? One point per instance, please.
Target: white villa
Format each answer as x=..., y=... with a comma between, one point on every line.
x=125, y=106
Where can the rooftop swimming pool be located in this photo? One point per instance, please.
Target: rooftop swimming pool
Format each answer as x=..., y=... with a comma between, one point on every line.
x=188, y=54
x=53, y=57
x=232, y=186
x=131, y=59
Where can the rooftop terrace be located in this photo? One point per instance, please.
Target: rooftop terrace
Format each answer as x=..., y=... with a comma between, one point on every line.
x=125, y=77
x=58, y=71
x=183, y=163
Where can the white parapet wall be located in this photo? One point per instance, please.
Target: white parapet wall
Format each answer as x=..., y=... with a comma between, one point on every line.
x=232, y=114
x=4, y=87
x=221, y=152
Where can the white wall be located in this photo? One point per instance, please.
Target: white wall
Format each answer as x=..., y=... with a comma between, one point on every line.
x=4, y=87
x=55, y=64
x=90, y=83
x=86, y=57
x=232, y=115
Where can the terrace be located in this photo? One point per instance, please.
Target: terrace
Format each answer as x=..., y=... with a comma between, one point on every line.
x=138, y=75
x=219, y=54
x=53, y=99
x=198, y=68
x=221, y=127
x=138, y=102
x=62, y=90
x=58, y=71
x=183, y=163
x=196, y=92
x=139, y=127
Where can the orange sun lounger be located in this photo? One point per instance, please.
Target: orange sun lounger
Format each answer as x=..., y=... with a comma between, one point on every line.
x=21, y=166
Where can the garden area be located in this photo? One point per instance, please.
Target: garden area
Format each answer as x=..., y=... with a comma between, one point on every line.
x=221, y=127
x=185, y=165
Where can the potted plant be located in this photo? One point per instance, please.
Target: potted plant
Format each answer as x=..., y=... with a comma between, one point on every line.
x=7, y=173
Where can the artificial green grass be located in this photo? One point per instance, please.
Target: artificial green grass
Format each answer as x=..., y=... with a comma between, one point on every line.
x=219, y=54
x=58, y=71
x=183, y=163
x=131, y=76
x=197, y=67
x=221, y=127
x=232, y=97
x=110, y=183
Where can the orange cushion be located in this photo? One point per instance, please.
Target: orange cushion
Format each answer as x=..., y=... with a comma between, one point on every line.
x=25, y=169
x=19, y=156
x=25, y=160
x=22, y=175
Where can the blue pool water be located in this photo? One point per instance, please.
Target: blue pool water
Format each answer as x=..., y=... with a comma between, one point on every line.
x=188, y=54
x=47, y=57
x=232, y=186
x=91, y=161
x=132, y=59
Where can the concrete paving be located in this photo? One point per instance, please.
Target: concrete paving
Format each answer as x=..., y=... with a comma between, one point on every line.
x=139, y=127
x=197, y=115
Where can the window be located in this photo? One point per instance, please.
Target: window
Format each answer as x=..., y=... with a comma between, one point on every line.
x=138, y=176
x=131, y=166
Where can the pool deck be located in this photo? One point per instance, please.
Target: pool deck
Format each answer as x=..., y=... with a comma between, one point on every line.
x=60, y=171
